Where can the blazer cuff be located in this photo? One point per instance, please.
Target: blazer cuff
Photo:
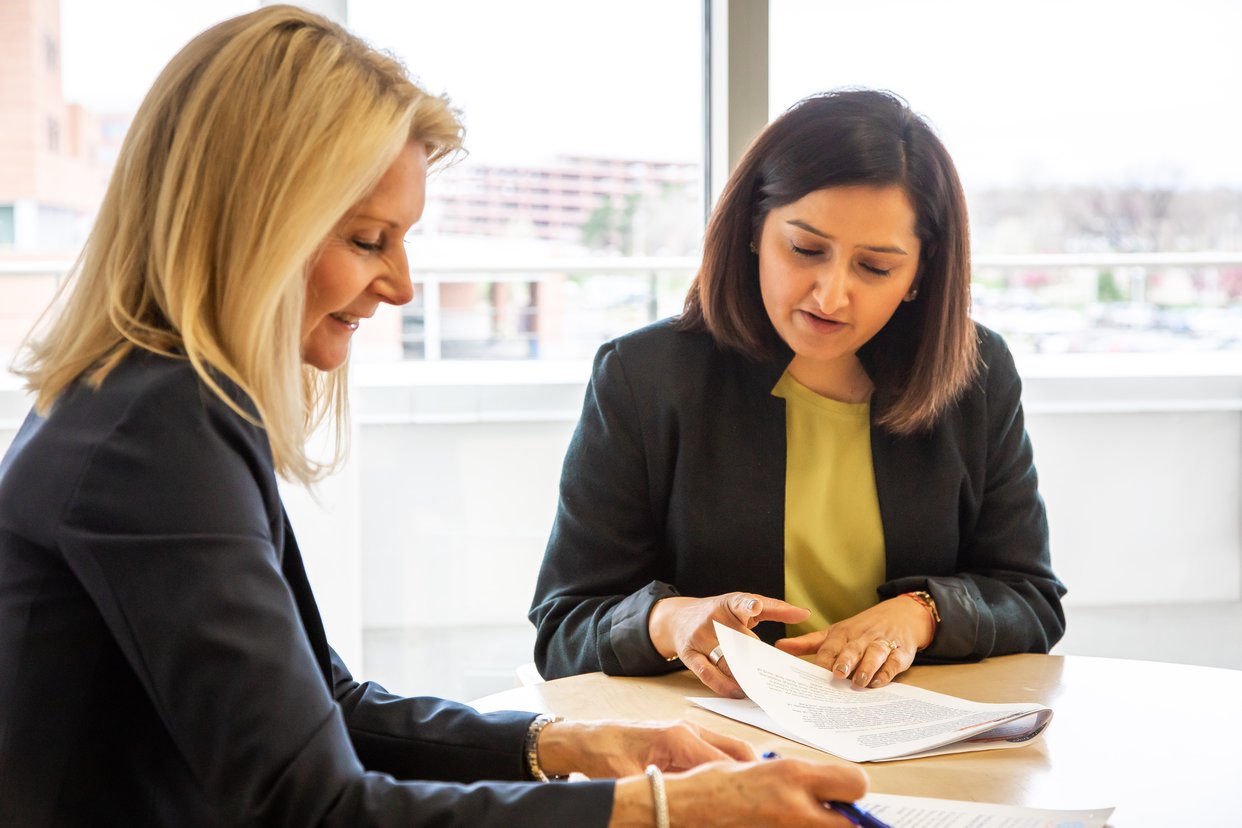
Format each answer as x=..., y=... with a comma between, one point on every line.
x=963, y=634
x=629, y=637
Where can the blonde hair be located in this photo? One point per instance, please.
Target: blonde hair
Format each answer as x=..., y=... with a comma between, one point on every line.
x=253, y=143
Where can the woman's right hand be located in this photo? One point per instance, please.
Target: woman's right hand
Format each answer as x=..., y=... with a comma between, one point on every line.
x=776, y=793
x=682, y=627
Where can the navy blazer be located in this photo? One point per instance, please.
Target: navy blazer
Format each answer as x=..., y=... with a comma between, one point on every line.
x=674, y=483
x=162, y=660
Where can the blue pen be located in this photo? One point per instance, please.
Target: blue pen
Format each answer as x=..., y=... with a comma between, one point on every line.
x=848, y=810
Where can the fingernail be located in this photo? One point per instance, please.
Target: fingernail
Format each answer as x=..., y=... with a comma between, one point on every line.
x=861, y=679
x=751, y=603
x=843, y=669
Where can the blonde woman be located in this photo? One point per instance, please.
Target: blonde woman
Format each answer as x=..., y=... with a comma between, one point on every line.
x=162, y=660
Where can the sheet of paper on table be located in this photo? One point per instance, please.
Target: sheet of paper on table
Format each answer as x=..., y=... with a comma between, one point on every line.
x=806, y=703
x=920, y=812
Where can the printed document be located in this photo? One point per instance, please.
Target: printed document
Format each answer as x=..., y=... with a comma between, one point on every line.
x=919, y=812
x=808, y=704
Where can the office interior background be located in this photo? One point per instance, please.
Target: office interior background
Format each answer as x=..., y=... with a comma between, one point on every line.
x=1098, y=145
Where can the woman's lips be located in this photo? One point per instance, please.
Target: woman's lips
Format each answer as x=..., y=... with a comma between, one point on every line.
x=819, y=324
x=345, y=319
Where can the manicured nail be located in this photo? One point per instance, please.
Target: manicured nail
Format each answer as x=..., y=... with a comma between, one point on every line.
x=861, y=679
x=843, y=669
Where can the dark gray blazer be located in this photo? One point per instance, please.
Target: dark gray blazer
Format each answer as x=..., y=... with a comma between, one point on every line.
x=162, y=660
x=674, y=483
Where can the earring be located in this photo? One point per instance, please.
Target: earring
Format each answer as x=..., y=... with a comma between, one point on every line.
x=912, y=295
x=753, y=249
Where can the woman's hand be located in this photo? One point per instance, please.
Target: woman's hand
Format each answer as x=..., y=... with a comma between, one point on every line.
x=874, y=646
x=780, y=792
x=682, y=627
x=614, y=748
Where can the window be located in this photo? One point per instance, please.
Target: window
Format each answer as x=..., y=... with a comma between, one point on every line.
x=1095, y=143
x=51, y=54
x=8, y=230
x=548, y=104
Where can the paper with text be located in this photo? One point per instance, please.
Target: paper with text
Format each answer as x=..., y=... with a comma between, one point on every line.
x=806, y=703
x=920, y=812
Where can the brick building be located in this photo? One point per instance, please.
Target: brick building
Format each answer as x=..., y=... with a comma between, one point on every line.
x=553, y=201
x=54, y=157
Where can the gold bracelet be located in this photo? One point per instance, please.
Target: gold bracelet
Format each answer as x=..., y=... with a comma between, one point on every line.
x=659, y=797
x=532, y=746
x=925, y=598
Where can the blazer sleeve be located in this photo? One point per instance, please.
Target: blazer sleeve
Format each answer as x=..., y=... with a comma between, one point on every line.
x=1005, y=597
x=170, y=534
x=603, y=568
x=429, y=738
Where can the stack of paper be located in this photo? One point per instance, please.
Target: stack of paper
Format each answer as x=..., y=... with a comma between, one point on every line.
x=920, y=812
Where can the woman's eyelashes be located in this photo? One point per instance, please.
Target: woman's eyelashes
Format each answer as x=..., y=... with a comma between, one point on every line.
x=812, y=252
x=369, y=246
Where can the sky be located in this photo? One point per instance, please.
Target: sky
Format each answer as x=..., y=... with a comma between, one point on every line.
x=532, y=79
x=112, y=50
x=1054, y=92
x=1111, y=91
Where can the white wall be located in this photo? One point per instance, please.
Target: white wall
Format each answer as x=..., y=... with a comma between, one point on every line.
x=1143, y=479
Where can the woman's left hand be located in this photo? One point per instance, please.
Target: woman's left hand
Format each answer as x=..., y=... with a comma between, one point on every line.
x=874, y=646
x=604, y=749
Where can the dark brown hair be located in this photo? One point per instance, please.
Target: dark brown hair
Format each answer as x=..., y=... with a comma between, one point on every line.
x=927, y=353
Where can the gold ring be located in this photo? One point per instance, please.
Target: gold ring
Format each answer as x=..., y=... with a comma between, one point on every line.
x=892, y=645
x=715, y=655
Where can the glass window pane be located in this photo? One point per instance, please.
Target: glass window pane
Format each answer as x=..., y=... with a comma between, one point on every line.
x=7, y=229
x=584, y=138
x=1094, y=130
x=75, y=71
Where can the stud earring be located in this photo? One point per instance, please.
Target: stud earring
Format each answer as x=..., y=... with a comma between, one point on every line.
x=753, y=249
x=912, y=295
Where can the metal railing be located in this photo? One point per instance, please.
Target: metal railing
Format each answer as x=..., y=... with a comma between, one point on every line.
x=1035, y=299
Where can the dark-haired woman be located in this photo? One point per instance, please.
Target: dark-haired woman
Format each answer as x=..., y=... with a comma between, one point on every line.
x=823, y=448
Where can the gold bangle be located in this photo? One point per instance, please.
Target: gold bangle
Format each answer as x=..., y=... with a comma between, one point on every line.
x=659, y=797
x=532, y=746
x=925, y=598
